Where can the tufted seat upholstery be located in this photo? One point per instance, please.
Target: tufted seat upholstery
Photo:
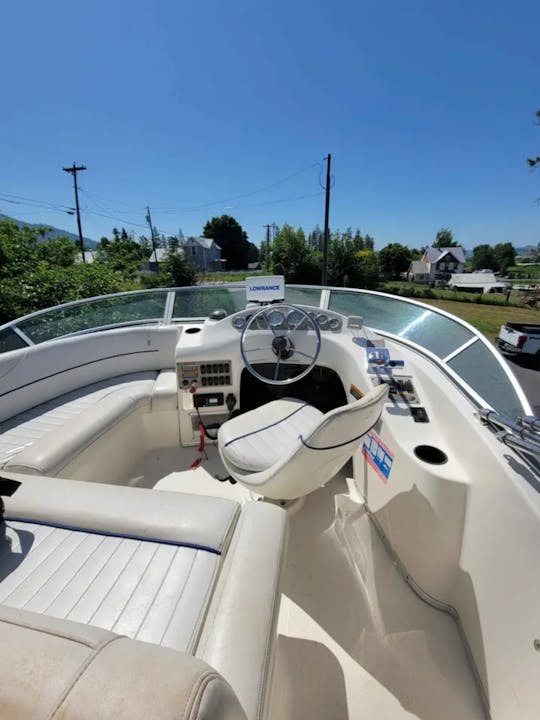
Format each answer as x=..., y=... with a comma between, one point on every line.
x=195, y=574
x=47, y=438
x=29, y=426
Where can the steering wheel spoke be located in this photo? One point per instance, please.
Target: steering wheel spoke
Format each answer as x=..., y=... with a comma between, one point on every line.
x=283, y=343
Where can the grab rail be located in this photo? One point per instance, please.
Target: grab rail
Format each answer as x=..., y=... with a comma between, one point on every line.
x=522, y=434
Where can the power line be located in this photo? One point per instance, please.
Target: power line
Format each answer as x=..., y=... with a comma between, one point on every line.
x=29, y=202
x=242, y=195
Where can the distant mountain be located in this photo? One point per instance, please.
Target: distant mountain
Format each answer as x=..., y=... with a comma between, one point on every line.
x=525, y=250
x=53, y=232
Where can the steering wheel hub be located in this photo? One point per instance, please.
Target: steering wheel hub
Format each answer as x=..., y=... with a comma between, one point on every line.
x=282, y=347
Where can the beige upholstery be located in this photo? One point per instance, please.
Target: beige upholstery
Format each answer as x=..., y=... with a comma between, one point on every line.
x=34, y=375
x=170, y=517
x=287, y=449
x=47, y=438
x=194, y=573
x=29, y=426
x=59, y=670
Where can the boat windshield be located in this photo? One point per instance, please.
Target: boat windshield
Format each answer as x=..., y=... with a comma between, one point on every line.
x=465, y=355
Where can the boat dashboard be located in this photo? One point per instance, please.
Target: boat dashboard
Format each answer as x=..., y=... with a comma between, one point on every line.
x=259, y=354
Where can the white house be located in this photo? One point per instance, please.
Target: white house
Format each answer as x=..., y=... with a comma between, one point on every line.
x=437, y=264
x=203, y=253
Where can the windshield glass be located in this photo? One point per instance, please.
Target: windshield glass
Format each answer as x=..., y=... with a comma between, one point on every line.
x=427, y=328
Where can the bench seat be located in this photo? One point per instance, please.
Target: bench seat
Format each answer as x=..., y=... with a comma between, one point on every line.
x=196, y=574
x=31, y=425
x=47, y=438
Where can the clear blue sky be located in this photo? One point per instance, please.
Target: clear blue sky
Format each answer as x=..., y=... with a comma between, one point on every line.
x=426, y=106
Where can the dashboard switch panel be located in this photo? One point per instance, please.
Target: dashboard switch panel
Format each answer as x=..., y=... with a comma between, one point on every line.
x=204, y=374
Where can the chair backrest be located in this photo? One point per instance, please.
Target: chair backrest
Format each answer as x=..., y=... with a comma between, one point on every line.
x=318, y=457
x=345, y=424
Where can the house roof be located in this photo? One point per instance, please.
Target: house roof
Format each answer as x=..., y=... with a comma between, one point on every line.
x=202, y=241
x=474, y=279
x=418, y=266
x=435, y=254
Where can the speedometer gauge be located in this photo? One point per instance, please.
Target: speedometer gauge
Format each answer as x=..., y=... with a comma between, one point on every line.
x=239, y=323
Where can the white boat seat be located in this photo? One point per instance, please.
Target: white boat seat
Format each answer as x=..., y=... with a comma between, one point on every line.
x=61, y=669
x=45, y=439
x=29, y=426
x=196, y=574
x=286, y=449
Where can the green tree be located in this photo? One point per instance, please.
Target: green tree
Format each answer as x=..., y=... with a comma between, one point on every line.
x=231, y=238
x=315, y=238
x=350, y=267
x=369, y=243
x=34, y=276
x=484, y=258
x=253, y=253
x=60, y=251
x=293, y=258
x=176, y=271
x=394, y=259
x=445, y=238
x=505, y=253
x=122, y=254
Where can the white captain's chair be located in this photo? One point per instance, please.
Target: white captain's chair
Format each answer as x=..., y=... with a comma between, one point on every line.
x=287, y=448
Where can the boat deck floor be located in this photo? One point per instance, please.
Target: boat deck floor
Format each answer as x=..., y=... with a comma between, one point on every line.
x=354, y=640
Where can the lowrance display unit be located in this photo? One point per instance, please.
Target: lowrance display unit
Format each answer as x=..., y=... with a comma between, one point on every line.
x=265, y=289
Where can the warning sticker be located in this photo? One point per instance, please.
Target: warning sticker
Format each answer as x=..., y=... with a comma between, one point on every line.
x=378, y=455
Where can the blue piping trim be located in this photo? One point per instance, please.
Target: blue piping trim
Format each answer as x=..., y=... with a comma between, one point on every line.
x=123, y=536
x=266, y=427
x=347, y=442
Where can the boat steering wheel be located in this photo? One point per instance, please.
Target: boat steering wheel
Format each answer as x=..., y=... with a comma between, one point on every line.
x=280, y=332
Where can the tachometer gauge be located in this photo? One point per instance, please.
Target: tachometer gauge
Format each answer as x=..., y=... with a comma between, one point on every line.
x=275, y=318
x=239, y=323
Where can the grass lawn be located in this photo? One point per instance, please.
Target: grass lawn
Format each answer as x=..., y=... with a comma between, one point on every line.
x=486, y=318
x=227, y=276
x=525, y=272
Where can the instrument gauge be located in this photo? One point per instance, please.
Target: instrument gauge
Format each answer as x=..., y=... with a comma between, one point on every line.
x=294, y=318
x=322, y=320
x=275, y=318
x=239, y=323
x=334, y=324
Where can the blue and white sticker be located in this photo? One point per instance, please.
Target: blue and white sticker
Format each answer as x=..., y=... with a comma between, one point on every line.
x=378, y=455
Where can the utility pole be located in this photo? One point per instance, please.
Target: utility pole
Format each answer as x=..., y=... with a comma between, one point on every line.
x=73, y=171
x=267, y=258
x=149, y=221
x=326, y=218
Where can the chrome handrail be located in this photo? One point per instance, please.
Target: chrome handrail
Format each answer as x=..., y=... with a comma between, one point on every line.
x=522, y=434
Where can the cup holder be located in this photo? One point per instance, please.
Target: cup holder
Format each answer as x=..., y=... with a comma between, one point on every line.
x=192, y=330
x=430, y=454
